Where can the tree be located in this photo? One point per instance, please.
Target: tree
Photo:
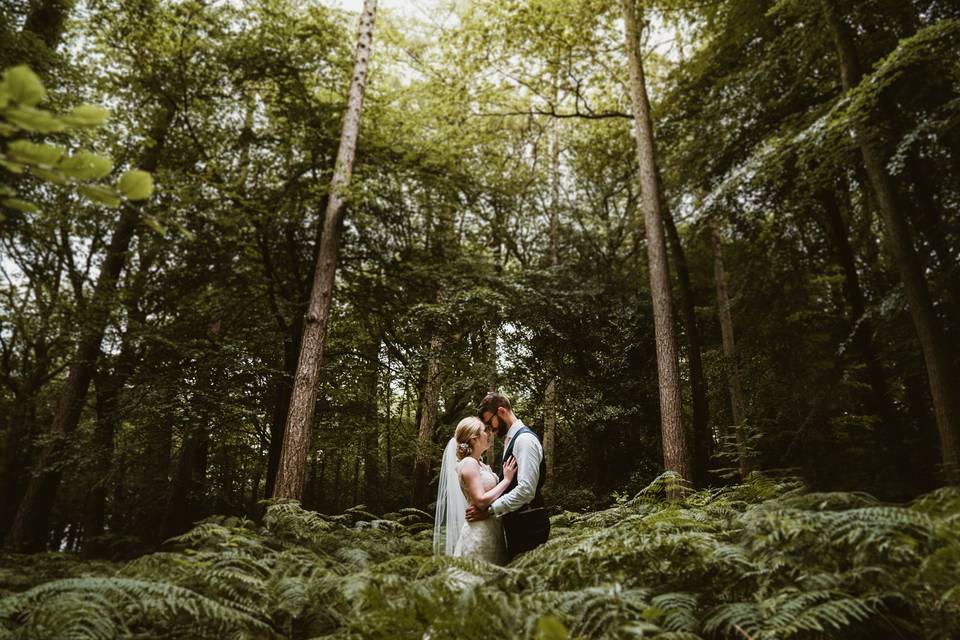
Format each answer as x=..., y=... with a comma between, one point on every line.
x=296, y=437
x=29, y=525
x=941, y=374
x=676, y=450
x=730, y=356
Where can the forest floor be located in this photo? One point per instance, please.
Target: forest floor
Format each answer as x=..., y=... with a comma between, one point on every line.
x=761, y=560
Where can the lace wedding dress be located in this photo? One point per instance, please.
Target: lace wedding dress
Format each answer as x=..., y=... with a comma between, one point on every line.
x=482, y=539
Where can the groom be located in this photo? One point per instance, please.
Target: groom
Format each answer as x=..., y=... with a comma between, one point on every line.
x=525, y=521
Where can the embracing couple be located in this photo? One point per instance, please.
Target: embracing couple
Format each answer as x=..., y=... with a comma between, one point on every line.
x=480, y=515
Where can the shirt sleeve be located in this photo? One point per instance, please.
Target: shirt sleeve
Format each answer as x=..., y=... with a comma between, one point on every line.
x=529, y=453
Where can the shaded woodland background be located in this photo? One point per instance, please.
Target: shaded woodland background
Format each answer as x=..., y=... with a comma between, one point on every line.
x=493, y=240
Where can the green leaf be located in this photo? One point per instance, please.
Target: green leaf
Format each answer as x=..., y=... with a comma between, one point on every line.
x=32, y=153
x=154, y=224
x=32, y=119
x=86, y=166
x=136, y=184
x=24, y=86
x=6, y=129
x=101, y=194
x=549, y=628
x=86, y=115
x=14, y=167
x=6, y=191
x=20, y=205
x=55, y=177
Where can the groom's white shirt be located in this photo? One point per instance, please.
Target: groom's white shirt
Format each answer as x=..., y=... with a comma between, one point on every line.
x=528, y=453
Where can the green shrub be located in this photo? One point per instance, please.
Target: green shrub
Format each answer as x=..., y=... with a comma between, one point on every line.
x=764, y=560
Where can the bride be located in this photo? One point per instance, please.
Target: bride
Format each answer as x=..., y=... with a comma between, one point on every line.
x=466, y=480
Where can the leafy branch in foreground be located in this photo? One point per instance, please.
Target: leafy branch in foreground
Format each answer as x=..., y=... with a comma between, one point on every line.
x=21, y=91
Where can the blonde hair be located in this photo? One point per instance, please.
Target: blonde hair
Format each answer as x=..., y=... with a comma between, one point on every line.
x=468, y=430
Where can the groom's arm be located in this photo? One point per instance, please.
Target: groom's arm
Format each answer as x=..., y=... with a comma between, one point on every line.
x=528, y=452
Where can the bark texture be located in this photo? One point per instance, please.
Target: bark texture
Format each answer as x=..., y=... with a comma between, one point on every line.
x=292, y=470
x=676, y=449
x=702, y=438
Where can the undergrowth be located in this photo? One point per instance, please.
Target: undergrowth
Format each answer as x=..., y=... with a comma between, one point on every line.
x=763, y=560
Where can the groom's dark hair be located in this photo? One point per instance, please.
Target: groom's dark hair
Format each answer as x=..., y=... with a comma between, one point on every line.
x=491, y=402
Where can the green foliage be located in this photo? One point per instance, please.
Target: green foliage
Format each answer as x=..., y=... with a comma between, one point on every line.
x=765, y=559
x=20, y=93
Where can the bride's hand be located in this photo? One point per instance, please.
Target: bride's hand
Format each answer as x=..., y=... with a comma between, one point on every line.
x=510, y=469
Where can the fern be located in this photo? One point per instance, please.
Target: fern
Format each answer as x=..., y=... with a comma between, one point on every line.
x=763, y=559
x=95, y=607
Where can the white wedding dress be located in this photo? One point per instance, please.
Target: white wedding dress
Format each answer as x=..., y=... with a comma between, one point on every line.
x=482, y=539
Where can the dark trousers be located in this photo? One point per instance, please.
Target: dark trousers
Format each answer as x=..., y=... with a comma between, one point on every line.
x=525, y=530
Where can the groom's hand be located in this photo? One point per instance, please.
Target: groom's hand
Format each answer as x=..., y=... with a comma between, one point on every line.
x=474, y=514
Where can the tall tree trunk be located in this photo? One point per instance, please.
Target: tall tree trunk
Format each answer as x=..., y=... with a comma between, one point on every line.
x=388, y=427
x=428, y=423
x=29, y=529
x=550, y=431
x=107, y=393
x=338, y=481
x=550, y=392
x=861, y=325
x=702, y=438
x=676, y=449
x=281, y=404
x=372, y=485
x=936, y=352
x=20, y=424
x=730, y=355
x=189, y=478
x=299, y=427
x=108, y=388
x=929, y=222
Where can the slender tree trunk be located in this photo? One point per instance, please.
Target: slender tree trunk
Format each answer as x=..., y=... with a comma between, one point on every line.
x=29, y=529
x=928, y=220
x=281, y=405
x=550, y=393
x=388, y=427
x=337, y=482
x=14, y=459
x=550, y=431
x=107, y=401
x=189, y=479
x=179, y=508
x=299, y=427
x=372, y=485
x=860, y=325
x=108, y=388
x=20, y=425
x=428, y=423
x=676, y=450
x=702, y=438
x=730, y=355
x=493, y=325
x=933, y=344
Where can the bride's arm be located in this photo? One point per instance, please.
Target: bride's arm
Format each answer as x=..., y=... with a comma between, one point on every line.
x=470, y=472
